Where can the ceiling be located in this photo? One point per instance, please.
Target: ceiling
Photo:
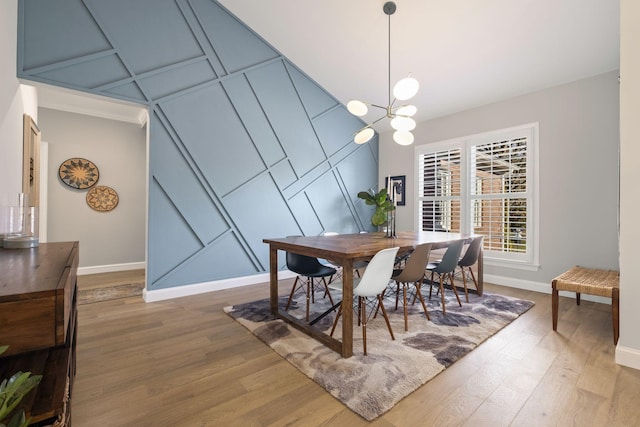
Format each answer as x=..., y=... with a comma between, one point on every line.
x=464, y=53
x=59, y=98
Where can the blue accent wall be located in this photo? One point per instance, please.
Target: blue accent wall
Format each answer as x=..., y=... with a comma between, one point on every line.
x=243, y=145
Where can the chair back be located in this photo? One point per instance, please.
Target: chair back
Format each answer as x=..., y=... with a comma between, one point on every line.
x=303, y=264
x=377, y=274
x=470, y=257
x=450, y=259
x=414, y=267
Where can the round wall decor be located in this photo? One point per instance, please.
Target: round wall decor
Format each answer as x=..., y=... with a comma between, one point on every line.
x=78, y=173
x=102, y=198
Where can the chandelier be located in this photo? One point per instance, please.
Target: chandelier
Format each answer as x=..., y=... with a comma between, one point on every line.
x=400, y=115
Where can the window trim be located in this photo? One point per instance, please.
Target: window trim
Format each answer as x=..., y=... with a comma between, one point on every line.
x=532, y=261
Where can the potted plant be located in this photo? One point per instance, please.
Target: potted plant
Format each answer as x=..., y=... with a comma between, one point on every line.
x=382, y=203
x=12, y=390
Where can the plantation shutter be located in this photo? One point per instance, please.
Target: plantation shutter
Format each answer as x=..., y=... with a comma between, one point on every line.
x=440, y=184
x=499, y=196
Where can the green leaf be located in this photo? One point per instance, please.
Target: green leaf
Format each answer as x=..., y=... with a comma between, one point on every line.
x=13, y=390
x=365, y=195
x=378, y=218
x=18, y=420
x=3, y=348
x=381, y=197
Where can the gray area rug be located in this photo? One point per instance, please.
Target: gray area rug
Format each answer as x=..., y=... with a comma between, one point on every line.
x=371, y=385
x=89, y=296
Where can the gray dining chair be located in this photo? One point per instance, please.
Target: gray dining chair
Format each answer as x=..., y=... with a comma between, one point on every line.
x=445, y=268
x=412, y=273
x=468, y=260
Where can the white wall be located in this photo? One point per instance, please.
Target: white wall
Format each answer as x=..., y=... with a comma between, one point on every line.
x=578, y=152
x=118, y=149
x=15, y=100
x=628, y=350
x=97, y=246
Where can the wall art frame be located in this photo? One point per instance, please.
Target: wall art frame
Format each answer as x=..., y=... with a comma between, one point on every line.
x=397, y=186
x=31, y=160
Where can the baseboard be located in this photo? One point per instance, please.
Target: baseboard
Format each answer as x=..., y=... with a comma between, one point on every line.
x=544, y=288
x=627, y=356
x=96, y=269
x=200, y=288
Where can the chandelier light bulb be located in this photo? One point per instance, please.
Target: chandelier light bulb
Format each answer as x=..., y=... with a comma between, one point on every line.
x=403, y=123
x=403, y=137
x=406, y=88
x=407, y=110
x=363, y=136
x=357, y=108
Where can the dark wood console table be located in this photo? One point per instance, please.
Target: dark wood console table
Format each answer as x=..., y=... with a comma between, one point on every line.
x=38, y=318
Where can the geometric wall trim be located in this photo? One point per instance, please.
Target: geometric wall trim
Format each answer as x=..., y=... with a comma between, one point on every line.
x=243, y=145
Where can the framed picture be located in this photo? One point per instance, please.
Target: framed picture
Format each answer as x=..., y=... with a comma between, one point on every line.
x=31, y=160
x=395, y=186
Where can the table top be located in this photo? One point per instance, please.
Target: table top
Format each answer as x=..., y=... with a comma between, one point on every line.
x=36, y=270
x=361, y=246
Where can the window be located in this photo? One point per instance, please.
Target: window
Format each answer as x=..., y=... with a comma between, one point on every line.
x=477, y=206
x=483, y=184
x=440, y=184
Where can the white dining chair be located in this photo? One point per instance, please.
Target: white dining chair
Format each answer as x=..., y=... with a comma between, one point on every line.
x=369, y=288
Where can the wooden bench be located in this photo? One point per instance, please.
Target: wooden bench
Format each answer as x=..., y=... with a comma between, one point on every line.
x=604, y=283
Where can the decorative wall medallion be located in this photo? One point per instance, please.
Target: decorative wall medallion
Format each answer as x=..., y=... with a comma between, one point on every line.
x=102, y=198
x=78, y=173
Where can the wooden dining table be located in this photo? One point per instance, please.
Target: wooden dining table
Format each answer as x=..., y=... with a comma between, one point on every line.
x=346, y=249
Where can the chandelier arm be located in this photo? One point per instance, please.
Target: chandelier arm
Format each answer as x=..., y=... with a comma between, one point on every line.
x=378, y=106
x=369, y=125
x=376, y=121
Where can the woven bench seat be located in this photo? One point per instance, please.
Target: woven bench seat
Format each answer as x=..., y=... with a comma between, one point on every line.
x=582, y=280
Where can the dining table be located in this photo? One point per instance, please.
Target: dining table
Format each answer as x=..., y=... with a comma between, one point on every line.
x=347, y=249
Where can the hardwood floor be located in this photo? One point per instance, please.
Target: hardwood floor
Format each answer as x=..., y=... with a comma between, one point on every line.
x=92, y=281
x=184, y=362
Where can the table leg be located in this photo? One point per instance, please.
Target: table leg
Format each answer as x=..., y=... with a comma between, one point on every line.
x=554, y=306
x=347, y=308
x=273, y=279
x=480, y=272
x=615, y=314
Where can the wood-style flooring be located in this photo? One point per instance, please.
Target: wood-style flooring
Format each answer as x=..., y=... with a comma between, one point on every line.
x=100, y=280
x=184, y=362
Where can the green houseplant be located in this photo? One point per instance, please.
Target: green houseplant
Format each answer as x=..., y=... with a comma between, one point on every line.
x=381, y=202
x=12, y=390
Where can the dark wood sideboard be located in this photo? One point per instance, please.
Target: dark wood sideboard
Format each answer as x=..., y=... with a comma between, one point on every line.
x=38, y=318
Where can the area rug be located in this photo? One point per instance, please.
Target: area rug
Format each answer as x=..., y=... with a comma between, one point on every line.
x=371, y=385
x=89, y=296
